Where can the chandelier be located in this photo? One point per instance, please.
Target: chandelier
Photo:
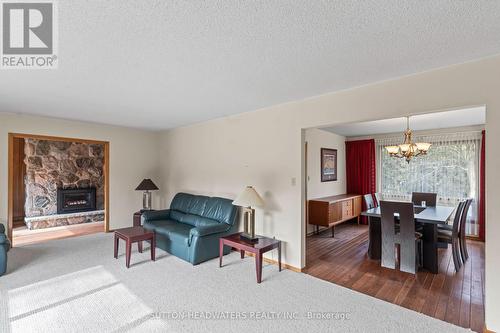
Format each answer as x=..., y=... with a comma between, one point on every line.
x=408, y=149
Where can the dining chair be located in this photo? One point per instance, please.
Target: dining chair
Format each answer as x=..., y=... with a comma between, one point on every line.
x=452, y=236
x=378, y=198
x=463, y=243
x=429, y=198
x=369, y=201
x=409, y=241
x=447, y=226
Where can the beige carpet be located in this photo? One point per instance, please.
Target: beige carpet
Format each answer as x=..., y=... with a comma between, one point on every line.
x=75, y=285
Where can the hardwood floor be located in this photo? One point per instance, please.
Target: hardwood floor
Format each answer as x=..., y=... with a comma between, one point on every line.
x=457, y=298
x=23, y=236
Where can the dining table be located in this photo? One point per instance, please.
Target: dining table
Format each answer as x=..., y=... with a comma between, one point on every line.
x=428, y=217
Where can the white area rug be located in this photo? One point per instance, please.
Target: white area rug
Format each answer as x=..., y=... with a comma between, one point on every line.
x=75, y=285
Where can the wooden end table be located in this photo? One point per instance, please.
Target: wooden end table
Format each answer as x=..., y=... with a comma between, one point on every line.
x=134, y=235
x=258, y=248
x=137, y=217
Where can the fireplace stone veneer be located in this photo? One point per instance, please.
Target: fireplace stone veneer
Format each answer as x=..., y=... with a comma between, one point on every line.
x=53, y=165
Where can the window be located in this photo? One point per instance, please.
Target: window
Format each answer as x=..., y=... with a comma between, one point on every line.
x=450, y=169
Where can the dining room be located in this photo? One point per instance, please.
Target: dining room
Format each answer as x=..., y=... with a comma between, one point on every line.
x=395, y=209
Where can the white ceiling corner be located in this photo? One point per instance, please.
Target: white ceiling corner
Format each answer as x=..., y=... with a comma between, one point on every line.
x=421, y=122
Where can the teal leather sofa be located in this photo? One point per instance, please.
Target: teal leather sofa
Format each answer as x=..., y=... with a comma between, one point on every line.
x=191, y=228
x=4, y=248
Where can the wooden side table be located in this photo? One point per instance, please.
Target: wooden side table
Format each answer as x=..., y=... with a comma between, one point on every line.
x=137, y=217
x=134, y=235
x=258, y=248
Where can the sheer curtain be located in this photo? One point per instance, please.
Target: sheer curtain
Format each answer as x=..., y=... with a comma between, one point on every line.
x=450, y=169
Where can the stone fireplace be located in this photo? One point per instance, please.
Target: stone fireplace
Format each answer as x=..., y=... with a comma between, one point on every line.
x=64, y=183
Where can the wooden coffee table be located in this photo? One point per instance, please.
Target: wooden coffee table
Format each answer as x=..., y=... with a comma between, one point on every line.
x=258, y=248
x=133, y=235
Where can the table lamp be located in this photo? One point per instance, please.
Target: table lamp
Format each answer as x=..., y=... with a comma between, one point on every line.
x=248, y=199
x=146, y=185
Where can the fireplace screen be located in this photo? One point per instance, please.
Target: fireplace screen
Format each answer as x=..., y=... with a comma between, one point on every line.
x=75, y=200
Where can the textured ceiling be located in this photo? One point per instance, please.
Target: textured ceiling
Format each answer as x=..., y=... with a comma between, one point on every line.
x=429, y=121
x=162, y=64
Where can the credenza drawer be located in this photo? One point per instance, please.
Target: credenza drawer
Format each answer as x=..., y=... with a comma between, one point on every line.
x=347, y=210
x=334, y=213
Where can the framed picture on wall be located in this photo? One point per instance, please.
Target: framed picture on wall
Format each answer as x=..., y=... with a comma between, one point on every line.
x=328, y=164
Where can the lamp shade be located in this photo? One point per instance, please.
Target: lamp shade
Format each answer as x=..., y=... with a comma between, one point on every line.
x=147, y=185
x=423, y=146
x=249, y=198
x=392, y=149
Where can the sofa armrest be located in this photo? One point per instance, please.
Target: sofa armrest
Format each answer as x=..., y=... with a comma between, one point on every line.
x=155, y=215
x=3, y=239
x=210, y=229
x=2, y=228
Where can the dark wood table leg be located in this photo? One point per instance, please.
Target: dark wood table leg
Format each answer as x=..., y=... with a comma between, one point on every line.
x=221, y=251
x=128, y=253
x=333, y=231
x=116, y=246
x=279, y=256
x=375, y=238
x=139, y=246
x=153, y=248
x=430, y=247
x=258, y=266
x=242, y=254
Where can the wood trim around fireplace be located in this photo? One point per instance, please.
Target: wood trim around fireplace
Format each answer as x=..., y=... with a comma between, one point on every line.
x=10, y=181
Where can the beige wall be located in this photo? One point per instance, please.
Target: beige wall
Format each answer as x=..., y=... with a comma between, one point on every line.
x=133, y=156
x=317, y=139
x=265, y=148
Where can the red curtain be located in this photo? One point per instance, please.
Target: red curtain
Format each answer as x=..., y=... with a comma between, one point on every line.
x=360, y=168
x=482, y=190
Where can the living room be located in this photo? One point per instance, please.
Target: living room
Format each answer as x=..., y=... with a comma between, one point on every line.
x=209, y=114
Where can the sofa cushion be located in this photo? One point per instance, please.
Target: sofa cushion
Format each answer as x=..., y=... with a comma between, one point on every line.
x=176, y=215
x=166, y=227
x=220, y=209
x=175, y=231
x=159, y=224
x=151, y=215
x=196, y=221
x=180, y=233
x=209, y=229
x=217, y=209
x=189, y=203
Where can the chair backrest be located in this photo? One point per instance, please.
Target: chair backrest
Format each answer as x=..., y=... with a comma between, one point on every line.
x=463, y=218
x=429, y=198
x=405, y=237
x=457, y=220
x=378, y=198
x=369, y=201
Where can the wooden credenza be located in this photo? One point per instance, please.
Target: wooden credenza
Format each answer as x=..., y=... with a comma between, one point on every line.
x=333, y=210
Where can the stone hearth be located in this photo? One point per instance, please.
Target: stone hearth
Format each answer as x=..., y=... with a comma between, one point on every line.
x=39, y=222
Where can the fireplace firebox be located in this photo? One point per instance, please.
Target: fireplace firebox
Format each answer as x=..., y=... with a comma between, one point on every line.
x=76, y=200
